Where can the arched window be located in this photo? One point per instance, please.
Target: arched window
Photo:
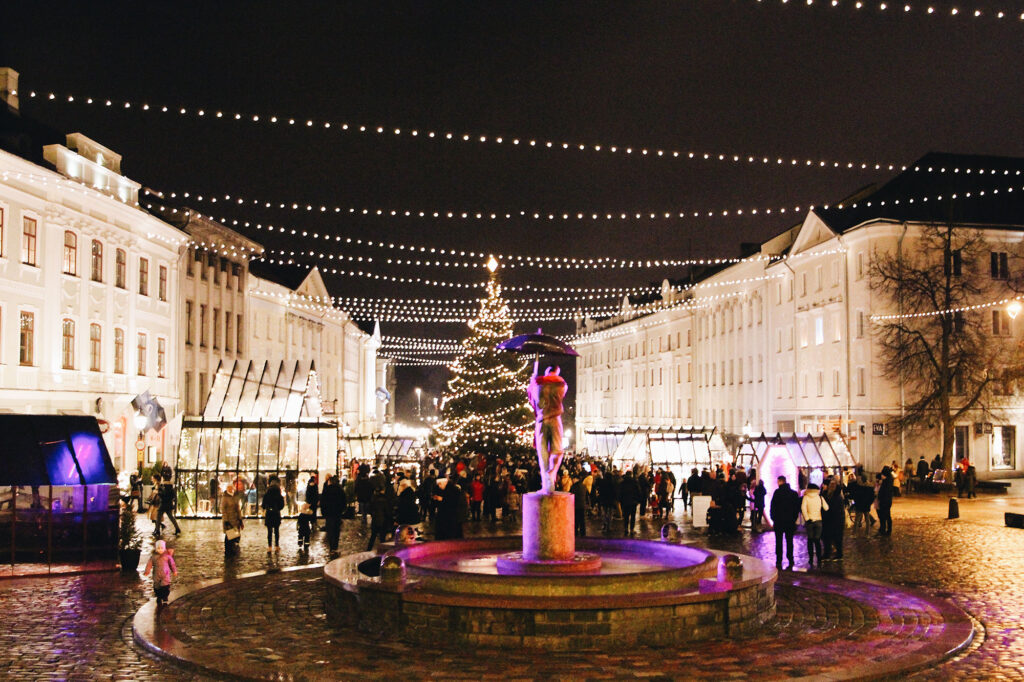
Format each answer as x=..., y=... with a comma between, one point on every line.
x=70, y=253
x=97, y=260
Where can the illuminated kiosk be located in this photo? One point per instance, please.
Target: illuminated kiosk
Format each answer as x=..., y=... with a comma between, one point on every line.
x=540, y=592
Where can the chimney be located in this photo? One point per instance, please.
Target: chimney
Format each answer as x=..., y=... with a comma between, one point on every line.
x=9, y=88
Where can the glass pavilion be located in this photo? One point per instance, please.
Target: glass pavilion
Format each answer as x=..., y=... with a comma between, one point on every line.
x=259, y=420
x=676, y=449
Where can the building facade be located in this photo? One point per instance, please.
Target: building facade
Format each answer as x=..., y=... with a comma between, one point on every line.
x=786, y=340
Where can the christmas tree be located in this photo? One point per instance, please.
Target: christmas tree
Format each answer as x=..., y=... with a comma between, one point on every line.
x=485, y=406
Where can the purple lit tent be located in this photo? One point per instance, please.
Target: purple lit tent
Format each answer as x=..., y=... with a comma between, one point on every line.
x=58, y=495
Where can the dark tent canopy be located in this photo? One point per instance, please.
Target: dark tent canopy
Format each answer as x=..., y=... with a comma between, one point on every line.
x=39, y=450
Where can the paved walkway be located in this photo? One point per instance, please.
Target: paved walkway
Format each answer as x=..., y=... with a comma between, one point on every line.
x=826, y=627
x=78, y=627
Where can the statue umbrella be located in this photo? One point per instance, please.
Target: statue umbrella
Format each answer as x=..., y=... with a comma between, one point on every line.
x=537, y=344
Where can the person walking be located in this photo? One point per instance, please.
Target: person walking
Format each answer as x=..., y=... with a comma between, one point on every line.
x=785, y=508
x=382, y=520
x=629, y=498
x=885, y=495
x=476, y=497
x=304, y=524
x=168, y=502
x=231, y=520
x=811, y=506
x=272, y=504
x=332, y=506
x=446, y=520
x=162, y=565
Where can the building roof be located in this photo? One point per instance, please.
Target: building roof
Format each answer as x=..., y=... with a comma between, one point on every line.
x=902, y=199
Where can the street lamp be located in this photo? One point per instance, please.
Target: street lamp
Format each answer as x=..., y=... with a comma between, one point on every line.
x=419, y=393
x=140, y=421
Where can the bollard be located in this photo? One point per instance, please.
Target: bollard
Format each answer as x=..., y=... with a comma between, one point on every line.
x=392, y=571
x=954, y=509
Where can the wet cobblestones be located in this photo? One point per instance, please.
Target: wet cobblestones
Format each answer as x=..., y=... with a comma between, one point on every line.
x=73, y=627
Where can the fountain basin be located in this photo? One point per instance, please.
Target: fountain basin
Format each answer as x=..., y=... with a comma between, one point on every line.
x=644, y=592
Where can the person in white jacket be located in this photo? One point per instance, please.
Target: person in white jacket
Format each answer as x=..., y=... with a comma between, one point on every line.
x=811, y=507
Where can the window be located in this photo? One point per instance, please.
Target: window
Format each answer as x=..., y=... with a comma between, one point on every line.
x=161, y=357
x=1000, y=265
x=837, y=327
x=190, y=263
x=202, y=325
x=961, y=443
x=1, y=231
x=144, y=276
x=835, y=382
x=121, y=269
x=760, y=368
x=162, y=284
x=95, y=347
x=803, y=284
x=28, y=241
x=820, y=276
x=861, y=381
x=1004, y=447
x=202, y=268
x=227, y=331
x=141, y=354
x=1000, y=323
x=860, y=324
x=954, y=263
x=188, y=393
x=860, y=266
x=202, y=391
x=118, y=351
x=959, y=322
x=70, y=253
x=27, y=328
x=97, y=260
x=238, y=333
x=802, y=332
x=216, y=327
x=211, y=262
x=819, y=330
x=821, y=383
x=68, y=344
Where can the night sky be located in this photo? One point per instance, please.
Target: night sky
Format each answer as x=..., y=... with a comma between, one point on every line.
x=716, y=76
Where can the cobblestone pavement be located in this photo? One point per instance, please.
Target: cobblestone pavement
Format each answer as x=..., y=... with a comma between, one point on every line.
x=825, y=626
x=78, y=627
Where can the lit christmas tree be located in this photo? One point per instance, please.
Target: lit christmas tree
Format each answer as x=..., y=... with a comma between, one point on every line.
x=485, y=407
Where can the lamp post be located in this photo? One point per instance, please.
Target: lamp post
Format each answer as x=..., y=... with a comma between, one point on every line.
x=419, y=394
x=140, y=421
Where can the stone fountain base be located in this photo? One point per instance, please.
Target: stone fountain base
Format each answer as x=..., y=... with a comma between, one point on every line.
x=645, y=593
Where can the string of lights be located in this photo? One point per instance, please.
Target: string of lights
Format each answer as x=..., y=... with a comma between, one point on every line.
x=948, y=311
x=906, y=8
x=421, y=133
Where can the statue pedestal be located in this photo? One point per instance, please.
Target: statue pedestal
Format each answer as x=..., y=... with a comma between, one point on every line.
x=548, y=524
x=549, y=540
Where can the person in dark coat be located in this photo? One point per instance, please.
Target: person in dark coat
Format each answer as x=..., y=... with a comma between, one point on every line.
x=272, y=504
x=607, y=498
x=785, y=508
x=833, y=519
x=580, y=506
x=446, y=521
x=313, y=497
x=426, y=495
x=382, y=521
x=407, y=510
x=332, y=506
x=757, y=516
x=168, y=502
x=215, y=494
x=364, y=493
x=693, y=485
x=885, y=495
x=629, y=498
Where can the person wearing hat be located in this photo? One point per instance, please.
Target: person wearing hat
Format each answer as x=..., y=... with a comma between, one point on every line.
x=161, y=563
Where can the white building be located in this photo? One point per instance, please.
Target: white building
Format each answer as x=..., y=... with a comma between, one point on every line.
x=298, y=323
x=783, y=341
x=87, y=287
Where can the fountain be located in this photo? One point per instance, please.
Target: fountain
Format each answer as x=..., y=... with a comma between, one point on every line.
x=548, y=589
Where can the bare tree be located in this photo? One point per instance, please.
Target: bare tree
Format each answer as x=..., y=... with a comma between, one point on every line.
x=948, y=356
